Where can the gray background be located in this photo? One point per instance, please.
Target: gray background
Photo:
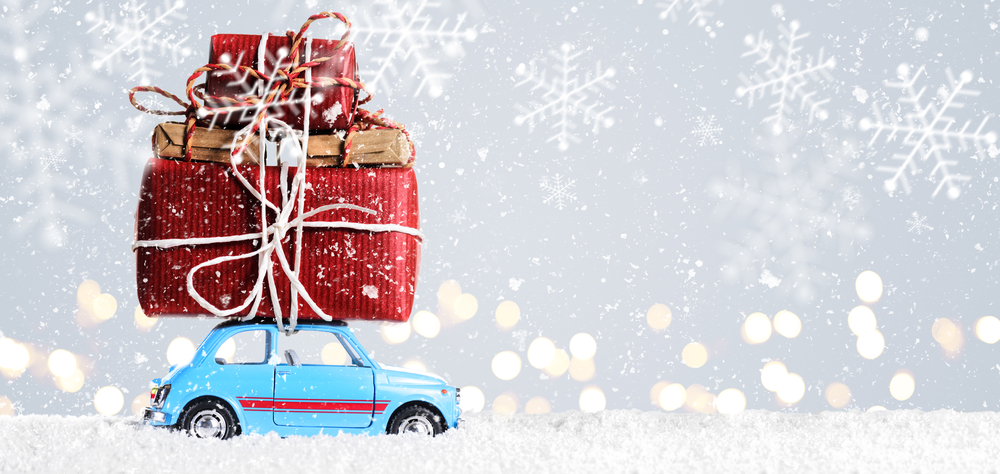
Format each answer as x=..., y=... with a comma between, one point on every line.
x=647, y=207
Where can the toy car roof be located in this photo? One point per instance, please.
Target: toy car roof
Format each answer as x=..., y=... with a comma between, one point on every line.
x=270, y=321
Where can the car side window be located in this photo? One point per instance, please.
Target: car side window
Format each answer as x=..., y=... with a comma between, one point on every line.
x=319, y=348
x=245, y=347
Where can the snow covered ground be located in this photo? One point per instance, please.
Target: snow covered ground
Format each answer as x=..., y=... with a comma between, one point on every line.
x=610, y=441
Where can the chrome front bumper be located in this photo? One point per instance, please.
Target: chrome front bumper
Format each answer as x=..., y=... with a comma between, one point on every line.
x=150, y=416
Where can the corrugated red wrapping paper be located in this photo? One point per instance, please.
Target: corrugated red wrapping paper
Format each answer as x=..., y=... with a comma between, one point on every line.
x=335, y=110
x=349, y=274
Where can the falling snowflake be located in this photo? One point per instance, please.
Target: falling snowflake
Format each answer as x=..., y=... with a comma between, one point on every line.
x=73, y=136
x=850, y=196
x=787, y=77
x=458, y=216
x=928, y=131
x=917, y=224
x=699, y=15
x=134, y=34
x=707, y=131
x=565, y=96
x=407, y=45
x=557, y=191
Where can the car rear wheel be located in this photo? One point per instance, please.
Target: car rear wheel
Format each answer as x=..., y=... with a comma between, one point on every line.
x=209, y=419
x=416, y=419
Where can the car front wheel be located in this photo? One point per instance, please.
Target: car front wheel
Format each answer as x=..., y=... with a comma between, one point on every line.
x=209, y=419
x=416, y=419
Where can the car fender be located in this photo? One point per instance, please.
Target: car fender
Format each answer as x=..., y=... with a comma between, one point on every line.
x=408, y=394
x=175, y=409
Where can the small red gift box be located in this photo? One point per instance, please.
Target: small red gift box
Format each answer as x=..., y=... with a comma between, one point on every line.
x=333, y=107
x=348, y=273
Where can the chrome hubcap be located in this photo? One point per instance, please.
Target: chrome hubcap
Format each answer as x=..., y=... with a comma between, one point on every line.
x=208, y=424
x=417, y=424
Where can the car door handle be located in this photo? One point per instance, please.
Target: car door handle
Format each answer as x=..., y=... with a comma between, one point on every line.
x=284, y=372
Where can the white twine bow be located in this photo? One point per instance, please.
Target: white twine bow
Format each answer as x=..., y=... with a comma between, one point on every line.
x=271, y=236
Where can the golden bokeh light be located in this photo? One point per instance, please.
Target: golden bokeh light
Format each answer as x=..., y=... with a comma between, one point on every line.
x=699, y=400
x=538, y=406
x=694, y=355
x=654, y=392
x=559, y=365
x=876, y=408
x=139, y=404
x=583, y=346
x=415, y=364
x=787, y=324
x=13, y=356
x=507, y=315
x=792, y=390
x=541, y=351
x=333, y=353
x=592, y=399
x=109, y=400
x=85, y=294
x=505, y=403
x=838, y=395
x=448, y=292
x=394, y=333
x=180, y=351
x=6, y=406
x=861, y=320
x=71, y=383
x=659, y=316
x=730, y=401
x=426, y=324
x=142, y=322
x=672, y=397
x=228, y=349
x=869, y=286
x=472, y=400
x=62, y=363
x=105, y=306
x=871, y=344
x=582, y=370
x=466, y=306
x=773, y=375
x=948, y=335
x=506, y=365
x=756, y=328
x=902, y=385
x=988, y=329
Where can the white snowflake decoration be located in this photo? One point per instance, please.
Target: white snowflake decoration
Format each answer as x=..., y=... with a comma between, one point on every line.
x=707, y=131
x=787, y=77
x=565, y=97
x=409, y=43
x=928, y=131
x=557, y=191
x=136, y=33
x=696, y=8
x=917, y=224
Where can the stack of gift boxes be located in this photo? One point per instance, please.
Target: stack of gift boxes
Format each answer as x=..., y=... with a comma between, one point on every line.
x=233, y=234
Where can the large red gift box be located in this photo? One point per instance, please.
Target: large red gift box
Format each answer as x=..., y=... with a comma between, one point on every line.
x=350, y=274
x=333, y=107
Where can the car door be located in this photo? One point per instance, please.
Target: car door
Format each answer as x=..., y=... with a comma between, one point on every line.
x=325, y=387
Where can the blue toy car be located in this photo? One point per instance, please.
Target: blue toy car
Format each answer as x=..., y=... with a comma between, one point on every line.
x=323, y=382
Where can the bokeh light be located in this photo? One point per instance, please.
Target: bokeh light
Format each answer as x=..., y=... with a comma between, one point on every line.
x=871, y=344
x=582, y=370
x=448, y=292
x=466, y=306
x=395, y=333
x=228, y=349
x=104, y=306
x=109, y=400
x=792, y=390
x=506, y=365
x=659, y=316
x=6, y=406
x=85, y=294
x=472, y=400
x=672, y=397
x=948, y=335
x=694, y=355
x=583, y=346
x=541, y=351
x=730, y=401
x=142, y=322
x=787, y=324
x=71, y=383
x=654, y=392
x=592, y=399
x=426, y=324
x=538, y=406
x=62, y=363
x=756, y=328
x=139, y=404
x=559, y=365
x=507, y=315
x=838, y=395
x=868, y=286
x=180, y=351
x=773, y=375
x=861, y=320
x=902, y=385
x=699, y=400
x=14, y=357
x=505, y=403
x=876, y=408
x=332, y=354
x=415, y=364
x=988, y=329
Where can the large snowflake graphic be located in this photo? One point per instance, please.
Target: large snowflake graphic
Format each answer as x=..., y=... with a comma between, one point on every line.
x=565, y=97
x=557, y=192
x=917, y=223
x=134, y=35
x=408, y=44
x=707, y=131
x=787, y=77
x=928, y=131
x=700, y=15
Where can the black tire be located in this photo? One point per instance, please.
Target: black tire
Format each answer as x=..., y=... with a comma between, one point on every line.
x=416, y=419
x=209, y=419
